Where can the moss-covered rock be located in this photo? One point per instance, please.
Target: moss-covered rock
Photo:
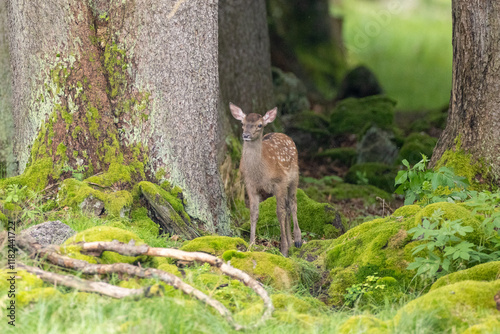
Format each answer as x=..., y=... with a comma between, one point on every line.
x=345, y=156
x=357, y=115
x=35, y=177
x=78, y=194
x=215, y=245
x=26, y=286
x=377, y=174
x=290, y=94
x=320, y=219
x=415, y=145
x=406, y=211
x=11, y=211
x=277, y=271
x=460, y=305
x=102, y=233
x=482, y=272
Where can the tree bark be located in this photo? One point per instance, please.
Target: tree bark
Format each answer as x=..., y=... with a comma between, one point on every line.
x=131, y=82
x=474, y=112
x=244, y=56
x=6, y=158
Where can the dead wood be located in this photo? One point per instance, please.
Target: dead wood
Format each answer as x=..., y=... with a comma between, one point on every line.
x=71, y=281
x=51, y=254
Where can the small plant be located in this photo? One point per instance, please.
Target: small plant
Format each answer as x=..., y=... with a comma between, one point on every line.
x=77, y=173
x=356, y=291
x=15, y=193
x=445, y=249
x=361, y=177
x=419, y=183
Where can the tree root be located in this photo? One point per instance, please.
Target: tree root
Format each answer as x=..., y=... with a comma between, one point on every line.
x=51, y=254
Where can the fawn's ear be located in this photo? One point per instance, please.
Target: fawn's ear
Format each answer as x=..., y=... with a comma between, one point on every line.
x=270, y=116
x=237, y=112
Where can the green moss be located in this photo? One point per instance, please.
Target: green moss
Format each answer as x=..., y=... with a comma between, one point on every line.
x=176, y=203
x=488, y=325
x=356, y=115
x=24, y=280
x=277, y=271
x=367, y=193
x=35, y=177
x=170, y=268
x=3, y=221
x=11, y=211
x=341, y=279
x=102, y=233
x=74, y=193
x=415, y=145
x=344, y=155
x=377, y=174
x=452, y=212
x=92, y=120
x=117, y=173
x=483, y=272
x=364, y=324
x=463, y=165
x=283, y=301
x=61, y=150
x=406, y=211
x=76, y=131
x=313, y=217
x=24, y=298
x=460, y=305
x=215, y=245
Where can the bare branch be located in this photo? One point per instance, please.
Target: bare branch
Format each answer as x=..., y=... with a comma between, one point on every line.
x=71, y=281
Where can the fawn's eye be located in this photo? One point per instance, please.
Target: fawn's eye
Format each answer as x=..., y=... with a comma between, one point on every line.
x=259, y=126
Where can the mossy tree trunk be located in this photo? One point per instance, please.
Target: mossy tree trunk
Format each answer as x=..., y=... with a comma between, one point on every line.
x=6, y=158
x=474, y=112
x=134, y=83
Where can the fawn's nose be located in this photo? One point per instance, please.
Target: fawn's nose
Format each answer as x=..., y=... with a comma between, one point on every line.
x=246, y=136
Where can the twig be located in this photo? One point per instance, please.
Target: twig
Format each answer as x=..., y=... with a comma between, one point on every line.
x=101, y=288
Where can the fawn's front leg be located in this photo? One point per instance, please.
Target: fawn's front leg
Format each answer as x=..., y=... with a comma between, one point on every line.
x=254, y=214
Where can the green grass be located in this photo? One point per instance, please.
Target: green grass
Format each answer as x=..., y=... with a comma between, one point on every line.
x=408, y=48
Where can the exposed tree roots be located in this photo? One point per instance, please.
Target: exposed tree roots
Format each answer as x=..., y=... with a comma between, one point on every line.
x=51, y=254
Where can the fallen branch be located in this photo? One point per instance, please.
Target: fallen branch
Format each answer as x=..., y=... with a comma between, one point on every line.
x=101, y=288
x=132, y=250
x=51, y=254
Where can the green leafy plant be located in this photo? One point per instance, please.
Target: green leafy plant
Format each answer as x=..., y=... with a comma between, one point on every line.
x=356, y=291
x=444, y=248
x=77, y=173
x=15, y=193
x=418, y=183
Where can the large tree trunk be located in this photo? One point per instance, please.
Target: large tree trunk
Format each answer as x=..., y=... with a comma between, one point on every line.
x=6, y=158
x=474, y=113
x=244, y=56
x=130, y=82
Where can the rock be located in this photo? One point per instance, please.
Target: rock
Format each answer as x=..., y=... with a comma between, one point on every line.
x=415, y=145
x=50, y=233
x=92, y=205
x=359, y=82
x=377, y=174
x=355, y=116
x=290, y=94
x=377, y=146
x=275, y=270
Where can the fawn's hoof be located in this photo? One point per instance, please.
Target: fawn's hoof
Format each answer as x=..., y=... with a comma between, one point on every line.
x=298, y=244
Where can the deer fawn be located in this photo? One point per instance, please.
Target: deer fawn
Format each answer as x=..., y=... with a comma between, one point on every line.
x=270, y=164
